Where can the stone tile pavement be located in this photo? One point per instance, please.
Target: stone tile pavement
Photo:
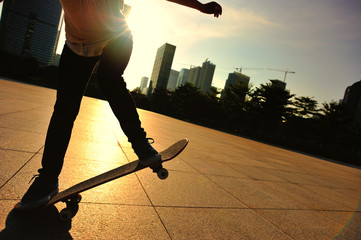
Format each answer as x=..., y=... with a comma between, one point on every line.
x=221, y=187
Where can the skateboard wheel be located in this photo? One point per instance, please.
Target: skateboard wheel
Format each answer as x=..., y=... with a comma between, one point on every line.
x=77, y=198
x=65, y=215
x=162, y=173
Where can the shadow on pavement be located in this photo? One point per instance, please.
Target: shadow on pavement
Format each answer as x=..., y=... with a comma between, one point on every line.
x=40, y=224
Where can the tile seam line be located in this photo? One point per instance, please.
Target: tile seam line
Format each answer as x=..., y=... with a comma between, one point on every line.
x=215, y=208
x=152, y=205
x=270, y=169
x=21, y=130
x=265, y=219
x=22, y=167
x=26, y=110
x=17, y=150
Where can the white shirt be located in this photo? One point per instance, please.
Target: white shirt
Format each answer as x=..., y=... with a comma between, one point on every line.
x=91, y=24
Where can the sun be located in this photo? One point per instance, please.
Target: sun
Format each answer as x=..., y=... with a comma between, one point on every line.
x=146, y=21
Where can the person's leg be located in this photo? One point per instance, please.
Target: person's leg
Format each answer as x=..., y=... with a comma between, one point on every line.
x=113, y=62
x=74, y=75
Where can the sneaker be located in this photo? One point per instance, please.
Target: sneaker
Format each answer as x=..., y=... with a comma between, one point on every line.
x=39, y=193
x=145, y=152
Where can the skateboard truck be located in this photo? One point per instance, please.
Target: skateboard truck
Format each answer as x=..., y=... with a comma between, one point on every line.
x=72, y=207
x=162, y=173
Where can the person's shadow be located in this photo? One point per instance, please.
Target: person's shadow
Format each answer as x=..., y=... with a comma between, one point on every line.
x=41, y=224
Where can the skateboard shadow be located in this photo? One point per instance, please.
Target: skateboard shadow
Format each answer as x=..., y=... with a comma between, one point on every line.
x=40, y=224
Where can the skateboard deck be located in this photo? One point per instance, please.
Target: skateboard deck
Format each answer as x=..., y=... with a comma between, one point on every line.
x=72, y=197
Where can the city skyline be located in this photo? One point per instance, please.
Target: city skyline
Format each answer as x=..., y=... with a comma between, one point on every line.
x=317, y=40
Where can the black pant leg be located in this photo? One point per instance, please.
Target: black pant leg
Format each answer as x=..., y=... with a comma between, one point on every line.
x=74, y=76
x=113, y=62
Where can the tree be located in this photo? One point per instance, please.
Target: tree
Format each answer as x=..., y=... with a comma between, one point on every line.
x=235, y=102
x=161, y=101
x=333, y=124
x=189, y=102
x=306, y=107
x=270, y=105
x=140, y=99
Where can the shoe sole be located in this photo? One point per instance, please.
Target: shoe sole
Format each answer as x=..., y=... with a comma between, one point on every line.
x=36, y=204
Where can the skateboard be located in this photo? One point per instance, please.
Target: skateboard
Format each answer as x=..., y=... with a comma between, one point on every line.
x=71, y=196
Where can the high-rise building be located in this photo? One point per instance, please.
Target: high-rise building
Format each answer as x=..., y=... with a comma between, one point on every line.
x=182, y=77
x=162, y=66
x=236, y=78
x=206, y=76
x=352, y=101
x=193, y=76
x=31, y=28
x=278, y=83
x=143, y=84
x=172, y=81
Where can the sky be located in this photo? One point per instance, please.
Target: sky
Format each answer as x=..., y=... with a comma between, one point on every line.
x=320, y=40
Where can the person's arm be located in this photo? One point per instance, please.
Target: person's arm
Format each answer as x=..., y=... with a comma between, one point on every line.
x=208, y=8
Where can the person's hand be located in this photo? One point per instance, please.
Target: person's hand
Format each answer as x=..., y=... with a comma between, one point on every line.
x=212, y=8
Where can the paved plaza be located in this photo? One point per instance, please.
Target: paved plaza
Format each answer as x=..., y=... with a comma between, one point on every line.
x=221, y=187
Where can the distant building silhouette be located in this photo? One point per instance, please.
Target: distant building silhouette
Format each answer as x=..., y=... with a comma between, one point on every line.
x=162, y=66
x=150, y=88
x=202, y=77
x=193, y=76
x=236, y=78
x=352, y=100
x=172, y=81
x=206, y=76
x=31, y=28
x=278, y=83
x=143, y=84
x=182, y=77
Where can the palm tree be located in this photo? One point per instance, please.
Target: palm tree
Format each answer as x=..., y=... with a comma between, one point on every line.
x=271, y=104
x=306, y=107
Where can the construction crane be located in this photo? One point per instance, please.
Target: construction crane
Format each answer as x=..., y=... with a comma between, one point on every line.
x=241, y=68
x=285, y=71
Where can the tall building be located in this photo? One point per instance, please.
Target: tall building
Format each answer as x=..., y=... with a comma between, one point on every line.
x=31, y=28
x=182, y=77
x=162, y=66
x=172, y=81
x=352, y=100
x=278, y=83
x=206, y=76
x=193, y=76
x=143, y=84
x=236, y=78
x=150, y=88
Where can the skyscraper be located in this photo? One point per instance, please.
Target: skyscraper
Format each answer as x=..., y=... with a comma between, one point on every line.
x=352, y=101
x=193, y=76
x=236, y=78
x=143, y=84
x=182, y=77
x=172, y=81
x=206, y=76
x=162, y=66
x=278, y=83
x=31, y=28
